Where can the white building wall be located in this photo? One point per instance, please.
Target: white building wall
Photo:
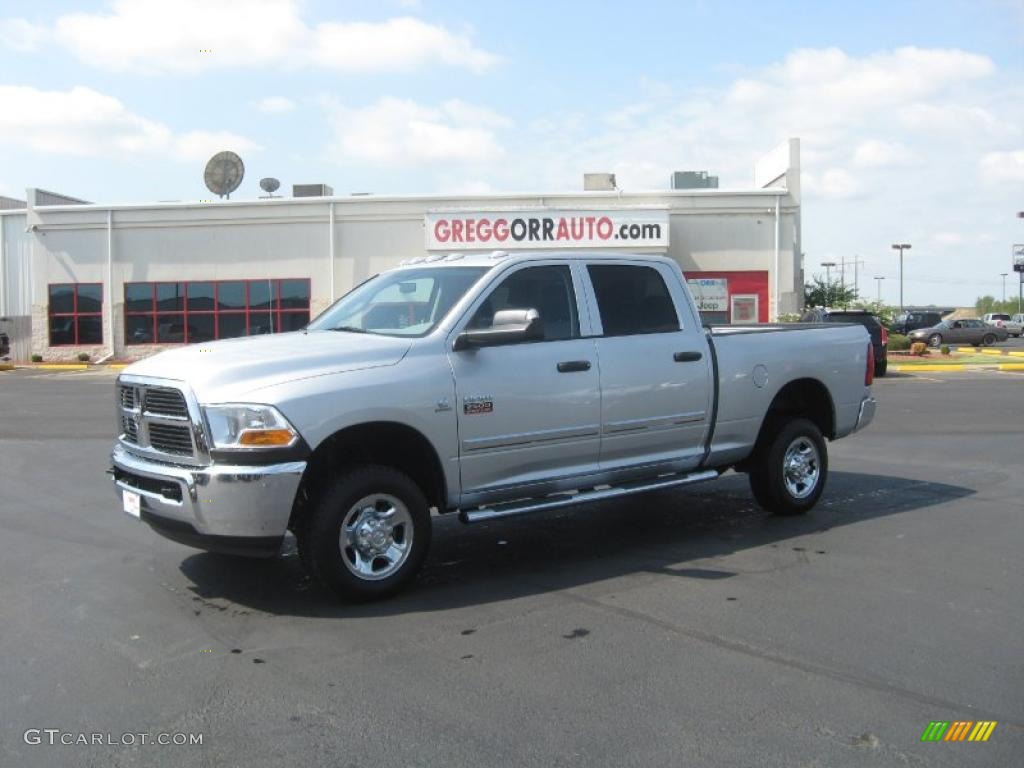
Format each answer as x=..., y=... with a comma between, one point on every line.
x=290, y=238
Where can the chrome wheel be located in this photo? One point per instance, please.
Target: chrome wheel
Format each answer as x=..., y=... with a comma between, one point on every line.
x=376, y=536
x=801, y=468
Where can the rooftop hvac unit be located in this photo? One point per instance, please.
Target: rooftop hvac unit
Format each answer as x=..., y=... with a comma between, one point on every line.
x=694, y=180
x=599, y=182
x=311, y=190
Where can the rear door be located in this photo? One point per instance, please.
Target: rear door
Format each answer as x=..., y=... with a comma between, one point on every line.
x=655, y=371
x=529, y=413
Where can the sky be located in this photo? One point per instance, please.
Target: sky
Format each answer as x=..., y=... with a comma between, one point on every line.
x=910, y=114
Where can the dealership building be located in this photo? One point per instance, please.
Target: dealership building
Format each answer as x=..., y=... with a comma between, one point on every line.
x=125, y=281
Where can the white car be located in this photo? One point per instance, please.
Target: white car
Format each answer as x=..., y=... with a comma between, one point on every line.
x=1013, y=325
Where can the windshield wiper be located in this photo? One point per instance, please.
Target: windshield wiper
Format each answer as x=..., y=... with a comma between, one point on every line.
x=349, y=329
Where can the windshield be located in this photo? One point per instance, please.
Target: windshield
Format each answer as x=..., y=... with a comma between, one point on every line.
x=407, y=302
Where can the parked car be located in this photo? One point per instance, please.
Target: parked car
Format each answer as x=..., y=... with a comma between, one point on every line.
x=911, y=321
x=1018, y=319
x=960, y=332
x=1002, y=320
x=878, y=333
x=529, y=382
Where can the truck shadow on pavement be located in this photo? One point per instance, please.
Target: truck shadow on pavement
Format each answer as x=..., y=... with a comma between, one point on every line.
x=667, y=533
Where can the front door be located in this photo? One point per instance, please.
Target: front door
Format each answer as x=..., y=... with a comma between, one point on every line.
x=529, y=413
x=655, y=374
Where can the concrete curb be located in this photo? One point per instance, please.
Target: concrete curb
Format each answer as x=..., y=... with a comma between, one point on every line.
x=993, y=352
x=61, y=366
x=926, y=368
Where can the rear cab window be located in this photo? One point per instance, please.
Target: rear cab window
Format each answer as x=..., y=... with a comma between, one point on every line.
x=632, y=299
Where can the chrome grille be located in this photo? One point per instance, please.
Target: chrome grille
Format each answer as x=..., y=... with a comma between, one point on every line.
x=163, y=401
x=130, y=427
x=171, y=438
x=127, y=396
x=155, y=419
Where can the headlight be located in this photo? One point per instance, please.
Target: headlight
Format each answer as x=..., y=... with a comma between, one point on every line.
x=239, y=426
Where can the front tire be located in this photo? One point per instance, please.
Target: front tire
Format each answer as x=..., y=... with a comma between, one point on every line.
x=367, y=534
x=787, y=476
x=934, y=341
x=989, y=340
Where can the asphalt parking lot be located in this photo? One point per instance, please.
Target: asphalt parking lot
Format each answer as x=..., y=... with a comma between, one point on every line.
x=678, y=628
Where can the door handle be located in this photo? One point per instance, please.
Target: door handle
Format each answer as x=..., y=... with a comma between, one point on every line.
x=687, y=357
x=572, y=366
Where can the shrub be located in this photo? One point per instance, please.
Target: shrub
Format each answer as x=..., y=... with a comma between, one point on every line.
x=37, y=358
x=83, y=357
x=898, y=342
x=944, y=349
x=919, y=348
x=790, y=317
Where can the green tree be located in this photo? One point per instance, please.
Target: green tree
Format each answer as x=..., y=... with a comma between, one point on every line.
x=819, y=293
x=985, y=304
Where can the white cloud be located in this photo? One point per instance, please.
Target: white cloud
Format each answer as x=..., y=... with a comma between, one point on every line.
x=1003, y=167
x=947, y=238
x=394, y=132
x=275, y=104
x=190, y=36
x=832, y=184
x=20, y=35
x=880, y=154
x=395, y=45
x=82, y=121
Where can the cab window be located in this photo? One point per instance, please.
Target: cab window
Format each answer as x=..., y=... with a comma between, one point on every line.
x=546, y=289
x=632, y=300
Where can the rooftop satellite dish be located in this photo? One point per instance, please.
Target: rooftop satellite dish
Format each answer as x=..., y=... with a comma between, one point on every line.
x=224, y=173
x=269, y=185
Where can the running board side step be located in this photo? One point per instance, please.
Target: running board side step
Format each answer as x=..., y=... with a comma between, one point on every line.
x=556, y=501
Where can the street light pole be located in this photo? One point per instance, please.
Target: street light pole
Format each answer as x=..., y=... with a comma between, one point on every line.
x=878, y=282
x=901, y=247
x=1003, y=275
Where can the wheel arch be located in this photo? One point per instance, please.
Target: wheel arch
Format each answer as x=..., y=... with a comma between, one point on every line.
x=801, y=398
x=386, y=443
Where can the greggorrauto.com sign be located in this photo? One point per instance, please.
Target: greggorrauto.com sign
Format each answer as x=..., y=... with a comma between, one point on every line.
x=507, y=230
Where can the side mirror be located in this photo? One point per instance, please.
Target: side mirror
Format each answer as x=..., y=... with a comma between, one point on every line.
x=510, y=326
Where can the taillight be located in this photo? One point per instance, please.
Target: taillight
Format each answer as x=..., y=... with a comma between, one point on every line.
x=869, y=371
x=885, y=336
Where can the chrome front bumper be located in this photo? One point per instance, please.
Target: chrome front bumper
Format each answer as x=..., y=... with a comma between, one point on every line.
x=235, y=508
x=866, y=414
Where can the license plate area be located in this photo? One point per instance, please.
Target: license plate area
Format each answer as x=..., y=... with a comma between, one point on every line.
x=132, y=503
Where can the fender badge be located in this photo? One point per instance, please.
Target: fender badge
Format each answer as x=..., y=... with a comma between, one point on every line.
x=442, y=405
x=472, y=406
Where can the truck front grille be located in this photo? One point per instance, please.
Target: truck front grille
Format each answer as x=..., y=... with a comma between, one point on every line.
x=171, y=439
x=156, y=419
x=165, y=402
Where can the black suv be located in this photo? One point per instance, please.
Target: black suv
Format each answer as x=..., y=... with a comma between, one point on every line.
x=879, y=336
x=5, y=345
x=912, y=321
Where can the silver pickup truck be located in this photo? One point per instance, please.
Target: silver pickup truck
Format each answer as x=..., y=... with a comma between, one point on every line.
x=488, y=385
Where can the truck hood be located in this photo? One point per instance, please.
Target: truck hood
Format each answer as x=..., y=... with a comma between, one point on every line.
x=234, y=369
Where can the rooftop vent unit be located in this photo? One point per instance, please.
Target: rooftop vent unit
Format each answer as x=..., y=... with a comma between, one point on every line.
x=599, y=182
x=693, y=180
x=311, y=190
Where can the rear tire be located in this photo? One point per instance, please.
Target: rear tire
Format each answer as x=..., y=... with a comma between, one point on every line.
x=367, y=534
x=788, y=472
x=881, y=367
x=988, y=340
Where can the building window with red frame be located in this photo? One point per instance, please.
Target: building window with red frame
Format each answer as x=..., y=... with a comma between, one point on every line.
x=75, y=314
x=204, y=310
